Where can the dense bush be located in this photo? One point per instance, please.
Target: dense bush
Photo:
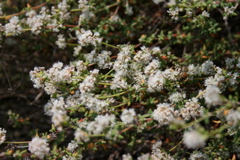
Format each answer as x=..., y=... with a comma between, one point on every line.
x=129, y=79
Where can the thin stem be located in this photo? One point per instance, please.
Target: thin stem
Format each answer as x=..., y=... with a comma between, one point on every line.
x=107, y=84
x=72, y=44
x=109, y=72
x=23, y=142
x=203, y=118
x=122, y=104
x=114, y=95
x=175, y=146
x=200, y=94
x=97, y=135
x=16, y=14
x=109, y=6
x=73, y=107
x=218, y=130
x=109, y=45
x=198, y=120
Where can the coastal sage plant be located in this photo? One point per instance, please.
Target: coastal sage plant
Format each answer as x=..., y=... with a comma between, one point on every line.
x=148, y=80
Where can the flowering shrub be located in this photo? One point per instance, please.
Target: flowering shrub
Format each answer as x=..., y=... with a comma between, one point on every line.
x=148, y=79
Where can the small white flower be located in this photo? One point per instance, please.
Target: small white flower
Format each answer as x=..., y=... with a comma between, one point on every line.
x=59, y=118
x=208, y=68
x=205, y=14
x=2, y=135
x=164, y=114
x=191, y=109
x=100, y=123
x=128, y=116
x=152, y=67
x=156, y=82
x=174, y=13
x=193, y=139
x=127, y=157
x=81, y=136
x=143, y=56
x=212, y=96
x=176, y=97
x=233, y=117
x=229, y=63
x=171, y=74
x=89, y=82
x=87, y=37
x=39, y=147
x=144, y=157
x=158, y=154
x=197, y=156
x=61, y=41
x=72, y=146
x=194, y=70
x=13, y=27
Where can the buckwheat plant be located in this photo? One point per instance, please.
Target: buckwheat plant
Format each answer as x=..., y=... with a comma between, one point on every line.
x=148, y=80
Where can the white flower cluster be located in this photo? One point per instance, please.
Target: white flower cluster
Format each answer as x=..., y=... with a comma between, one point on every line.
x=61, y=42
x=56, y=109
x=87, y=37
x=35, y=21
x=228, y=11
x=176, y=97
x=89, y=82
x=191, y=108
x=51, y=77
x=143, y=56
x=208, y=68
x=2, y=135
x=128, y=115
x=229, y=63
x=205, y=14
x=172, y=74
x=102, y=60
x=194, y=70
x=38, y=21
x=164, y=114
x=86, y=13
x=193, y=139
x=198, y=155
x=212, y=95
x=13, y=27
x=59, y=118
x=39, y=147
x=121, y=66
x=127, y=157
x=89, y=100
x=100, y=123
x=174, y=13
x=233, y=117
x=156, y=82
x=216, y=80
x=63, y=8
x=36, y=77
x=81, y=136
x=83, y=4
x=157, y=153
x=152, y=67
x=72, y=146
